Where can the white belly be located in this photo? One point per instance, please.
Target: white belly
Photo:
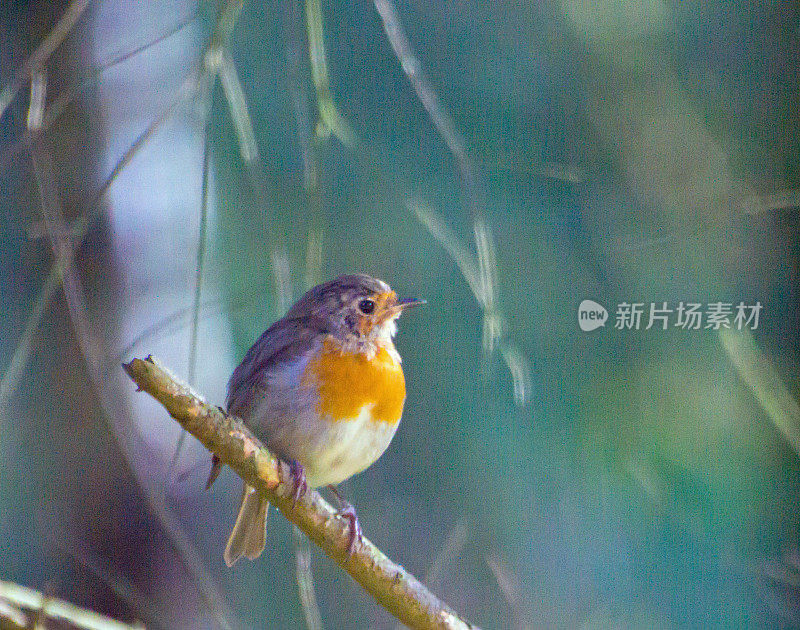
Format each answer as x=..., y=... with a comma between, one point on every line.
x=334, y=451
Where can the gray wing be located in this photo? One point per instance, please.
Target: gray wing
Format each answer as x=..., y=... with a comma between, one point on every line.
x=281, y=344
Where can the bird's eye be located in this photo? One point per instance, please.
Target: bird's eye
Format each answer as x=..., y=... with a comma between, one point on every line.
x=366, y=306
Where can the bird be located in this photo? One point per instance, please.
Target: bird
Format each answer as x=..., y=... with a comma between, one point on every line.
x=324, y=389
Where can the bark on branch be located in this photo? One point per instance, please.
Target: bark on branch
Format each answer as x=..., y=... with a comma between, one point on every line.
x=390, y=584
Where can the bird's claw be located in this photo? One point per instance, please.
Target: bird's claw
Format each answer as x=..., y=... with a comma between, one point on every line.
x=348, y=512
x=298, y=475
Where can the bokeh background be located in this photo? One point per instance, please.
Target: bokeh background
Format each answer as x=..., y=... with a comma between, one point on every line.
x=543, y=477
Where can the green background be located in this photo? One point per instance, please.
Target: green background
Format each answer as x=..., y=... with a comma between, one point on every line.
x=623, y=152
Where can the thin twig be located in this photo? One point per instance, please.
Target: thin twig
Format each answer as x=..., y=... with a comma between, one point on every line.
x=437, y=226
x=332, y=121
x=223, y=27
x=309, y=147
x=237, y=103
x=90, y=348
x=313, y=267
x=760, y=375
x=119, y=584
x=166, y=325
x=427, y=95
x=453, y=545
x=783, y=199
x=441, y=119
x=520, y=370
x=511, y=589
x=22, y=350
x=389, y=583
x=480, y=273
x=283, y=279
x=61, y=244
x=37, y=101
x=12, y=618
x=78, y=230
x=58, y=609
x=42, y=53
x=305, y=580
x=219, y=59
x=494, y=331
x=206, y=92
x=59, y=104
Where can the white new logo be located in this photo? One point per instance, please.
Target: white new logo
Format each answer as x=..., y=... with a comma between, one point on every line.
x=591, y=315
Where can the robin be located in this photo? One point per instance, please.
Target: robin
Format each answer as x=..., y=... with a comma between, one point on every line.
x=323, y=388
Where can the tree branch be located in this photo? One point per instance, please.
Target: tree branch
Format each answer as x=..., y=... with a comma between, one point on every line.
x=390, y=584
x=13, y=597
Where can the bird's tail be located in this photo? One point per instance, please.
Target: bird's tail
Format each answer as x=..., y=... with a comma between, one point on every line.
x=249, y=535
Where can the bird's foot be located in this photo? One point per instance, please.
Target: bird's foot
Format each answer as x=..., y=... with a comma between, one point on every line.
x=298, y=475
x=348, y=512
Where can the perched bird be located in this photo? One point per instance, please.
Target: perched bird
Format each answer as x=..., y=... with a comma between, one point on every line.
x=324, y=390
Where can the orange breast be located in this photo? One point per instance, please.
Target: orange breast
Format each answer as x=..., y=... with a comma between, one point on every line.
x=348, y=381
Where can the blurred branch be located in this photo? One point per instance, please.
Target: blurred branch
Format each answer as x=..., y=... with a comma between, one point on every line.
x=329, y=115
x=219, y=63
x=92, y=75
x=205, y=98
x=226, y=19
x=202, y=236
x=480, y=272
x=437, y=226
x=779, y=200
x=12, y=618
x=760, y=375
x=296, y=56
x=494, y=333
x=298, y=81
x=511, y=589
x=50, y=608
x=237, y=103
x=169, y=325
x=441, y=119
x=453, y=546
x=446, y=556
x=42, y=53
x=305, y=580
x=22, y=350
x=61, y=243
x=412, y=68
x=78, y=231
x=530, y=165
x=389, y=583
x=69, y=94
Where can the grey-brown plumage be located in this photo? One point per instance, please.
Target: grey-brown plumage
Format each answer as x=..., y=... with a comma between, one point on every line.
x=293, y=336
x=268, y=392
